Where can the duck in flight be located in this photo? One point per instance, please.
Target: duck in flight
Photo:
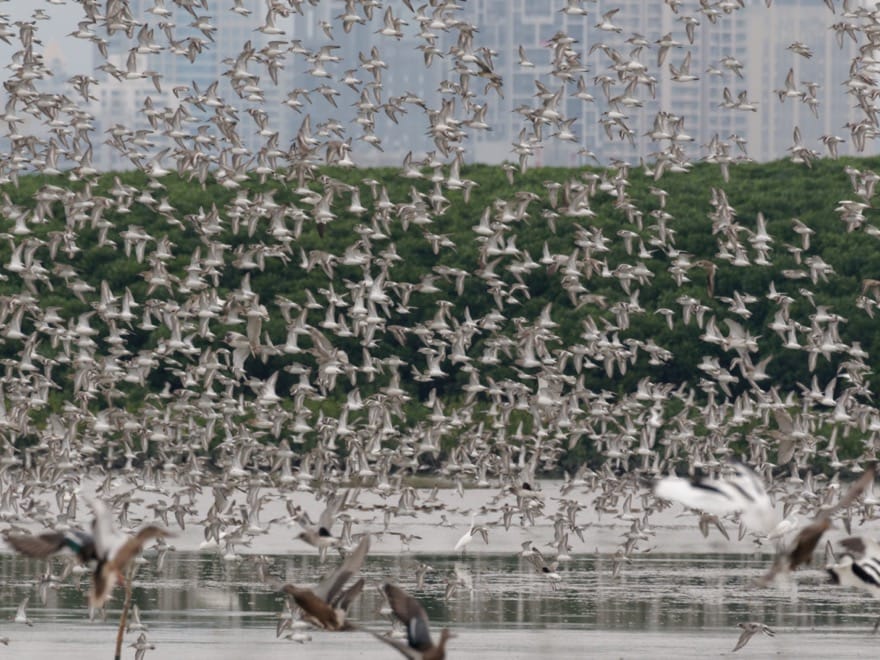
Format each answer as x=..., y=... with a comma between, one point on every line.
x=804, y=544
x=409, y=611
x=326, y=606
x=110, y=549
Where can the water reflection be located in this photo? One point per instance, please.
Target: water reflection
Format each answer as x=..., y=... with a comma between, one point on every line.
x=653, y=593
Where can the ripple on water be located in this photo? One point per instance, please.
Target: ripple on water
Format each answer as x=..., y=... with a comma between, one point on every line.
x=654, y=592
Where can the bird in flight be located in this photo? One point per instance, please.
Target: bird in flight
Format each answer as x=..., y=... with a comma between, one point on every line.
x=801, y=549
x=858, y=567
x=326, y=606
x=740, y=491
x=419, y=645
x=110, y=549
x=749, y=630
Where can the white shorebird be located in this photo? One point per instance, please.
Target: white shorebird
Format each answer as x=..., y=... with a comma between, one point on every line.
x=468, y=536
x=740, y=491
x=320, y=535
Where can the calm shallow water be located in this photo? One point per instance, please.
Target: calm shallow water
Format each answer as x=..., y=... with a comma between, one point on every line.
x=220, y=644
x=681, y=596
x=204, y=606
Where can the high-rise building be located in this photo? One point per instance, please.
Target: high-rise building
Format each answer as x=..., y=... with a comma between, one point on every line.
x=822, y=75
x=615, y=86
x=755, y=37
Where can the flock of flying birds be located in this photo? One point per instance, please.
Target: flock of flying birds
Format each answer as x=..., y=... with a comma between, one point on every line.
x=284, y=444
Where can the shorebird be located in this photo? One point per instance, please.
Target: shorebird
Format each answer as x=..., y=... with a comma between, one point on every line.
x=326, y=606
x=421, y=570
x=299, y=632
x=858, y=567
x=319, y=535
x=802, y=547
x=161, y=391
x=749, y=630
x=741, y=491
x=134, y=623
x=469, y=535
x=419, y=645
x=548, y=570
x=141, y=646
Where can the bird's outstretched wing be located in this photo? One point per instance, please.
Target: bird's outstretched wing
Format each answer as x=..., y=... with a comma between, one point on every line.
x=331, y=586
x=412, y=615
x=38, y=546
x=397, y=644
x=335, y=504
x=743, y=639
x=808, y=538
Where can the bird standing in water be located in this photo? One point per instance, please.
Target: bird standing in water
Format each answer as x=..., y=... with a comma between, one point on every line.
x=469, y=535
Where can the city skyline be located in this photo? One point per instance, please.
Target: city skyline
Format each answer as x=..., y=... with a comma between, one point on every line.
x=607, y=115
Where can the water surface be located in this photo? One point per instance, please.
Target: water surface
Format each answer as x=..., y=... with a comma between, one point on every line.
x=204, y=606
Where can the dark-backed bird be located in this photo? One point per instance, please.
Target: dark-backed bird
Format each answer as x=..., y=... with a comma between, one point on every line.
x=319, y=535
x=801, y=550
x=741, y=491
x=411, y=614
x=111, y=549
x=858, y=567
x=326, y=606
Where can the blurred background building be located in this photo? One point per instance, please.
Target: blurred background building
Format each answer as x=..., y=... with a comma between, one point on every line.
x=750, y=51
